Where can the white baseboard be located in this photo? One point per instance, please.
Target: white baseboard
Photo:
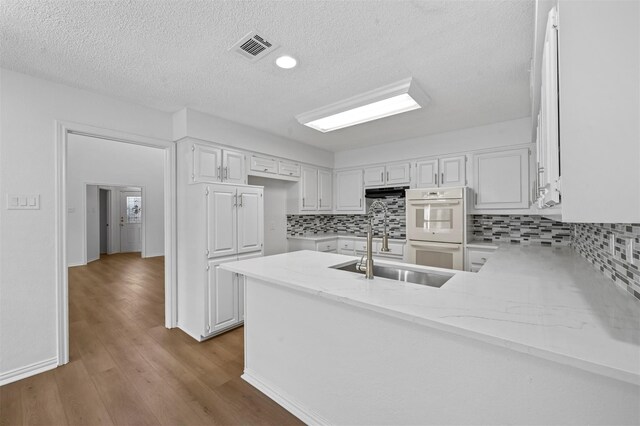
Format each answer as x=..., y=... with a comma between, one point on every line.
x=27, y=371
x=153, y=255
x=72, y=264
x=93, y=259
x=286, y=401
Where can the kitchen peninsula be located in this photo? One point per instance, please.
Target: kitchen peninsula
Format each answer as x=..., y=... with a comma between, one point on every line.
x=500, y=346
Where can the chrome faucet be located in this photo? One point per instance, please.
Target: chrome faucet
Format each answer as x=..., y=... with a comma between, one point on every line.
x=368, y=266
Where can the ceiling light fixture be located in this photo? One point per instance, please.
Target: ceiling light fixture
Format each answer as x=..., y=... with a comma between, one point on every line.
x=396, y=98
x=286, y=62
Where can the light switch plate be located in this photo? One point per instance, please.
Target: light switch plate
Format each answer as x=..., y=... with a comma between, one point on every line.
x=23, y=202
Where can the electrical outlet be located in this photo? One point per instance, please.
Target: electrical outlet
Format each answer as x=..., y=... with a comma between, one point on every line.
x=629, y=243
x=612, y=244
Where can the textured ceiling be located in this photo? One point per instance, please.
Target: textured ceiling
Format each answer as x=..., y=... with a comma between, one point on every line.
x=471, y=57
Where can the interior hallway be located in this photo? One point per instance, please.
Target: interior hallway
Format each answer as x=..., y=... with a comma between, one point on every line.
x=127, y=368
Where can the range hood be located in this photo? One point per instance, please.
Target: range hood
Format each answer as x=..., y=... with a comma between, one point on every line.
x=396, y=191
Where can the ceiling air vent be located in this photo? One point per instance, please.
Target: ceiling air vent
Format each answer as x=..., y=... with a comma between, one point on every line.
x=253, y=46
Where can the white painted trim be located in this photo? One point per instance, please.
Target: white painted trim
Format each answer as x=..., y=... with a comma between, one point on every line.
x=289, y=403
x=28, y=370
x=62, y=130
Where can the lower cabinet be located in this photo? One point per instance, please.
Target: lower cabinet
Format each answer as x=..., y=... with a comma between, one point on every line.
x=225, y=296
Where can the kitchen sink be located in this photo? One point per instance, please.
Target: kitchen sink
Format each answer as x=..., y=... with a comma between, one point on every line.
x=432, y=278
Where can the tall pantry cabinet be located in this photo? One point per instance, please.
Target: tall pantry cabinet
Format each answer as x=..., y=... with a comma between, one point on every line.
x=218, y=222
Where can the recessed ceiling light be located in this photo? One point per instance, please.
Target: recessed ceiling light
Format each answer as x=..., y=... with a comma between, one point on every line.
x=395, y=98
x=286, y=62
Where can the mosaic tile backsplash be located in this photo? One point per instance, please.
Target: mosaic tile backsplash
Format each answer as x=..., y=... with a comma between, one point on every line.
x=352, y=224
x=521, y=230
x=591, y=240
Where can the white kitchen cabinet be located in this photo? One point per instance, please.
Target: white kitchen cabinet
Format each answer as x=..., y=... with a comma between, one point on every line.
x=222, y=220
x=398, y=174
x=452, y=171
x=217, y=223
x=223, y=297
x=391, y=174
x=213, y=164
x=501, y=179
x=427, y=174
x=325, y=190
x=287, y=168
x=374, y=176
x=250, y=219
x=349, y=191
x=441, y=172
x=327, y=246
x=263, y=165
x=309, y=188
x=207, y=163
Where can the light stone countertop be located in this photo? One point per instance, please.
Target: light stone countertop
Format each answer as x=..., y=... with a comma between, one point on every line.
x=544, y=301
x=331, y=235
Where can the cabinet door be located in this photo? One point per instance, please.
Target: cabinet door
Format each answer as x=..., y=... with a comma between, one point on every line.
x=221, y=221
x=349, y=190
x=452, y=171
x=427, y=174
x=374, y=176
x=288, y=169
x=264, y=165
x=502, y=179
x=222, y=300
x=234, y=167
x=309, y=189
x=250, y=219
x=398, y=174
x=325, y=190
x=207, y=163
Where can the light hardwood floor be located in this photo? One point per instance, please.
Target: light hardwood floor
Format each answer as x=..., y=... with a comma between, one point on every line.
x=126, y=368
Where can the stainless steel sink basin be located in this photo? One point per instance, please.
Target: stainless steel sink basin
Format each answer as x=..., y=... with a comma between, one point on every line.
x=432, y=279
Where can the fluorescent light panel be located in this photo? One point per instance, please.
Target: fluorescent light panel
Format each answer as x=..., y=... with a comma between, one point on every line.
x=384, y=102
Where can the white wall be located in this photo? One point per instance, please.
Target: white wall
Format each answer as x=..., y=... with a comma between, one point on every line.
x=275, y=216
x=506, y=133
x=100, y=161
x=195, y=124
x=28, y=109
x=93, y=224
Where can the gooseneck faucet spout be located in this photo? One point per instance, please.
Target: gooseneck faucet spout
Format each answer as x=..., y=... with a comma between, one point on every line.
x=367, y=267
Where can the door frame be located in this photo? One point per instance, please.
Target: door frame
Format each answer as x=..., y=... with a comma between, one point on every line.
x=62, y=131
x=119, y=188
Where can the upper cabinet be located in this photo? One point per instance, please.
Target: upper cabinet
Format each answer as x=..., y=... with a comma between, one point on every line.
x=313, y=193
x=325, y=190
x=212, y=164
x=273, y=168
x=592, y=169
x=391, y=174
x=501, y=179
x=349, y=191
x=441, y=172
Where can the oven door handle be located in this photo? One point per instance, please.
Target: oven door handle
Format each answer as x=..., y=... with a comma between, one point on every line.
x=438, y=202
x=443, y=246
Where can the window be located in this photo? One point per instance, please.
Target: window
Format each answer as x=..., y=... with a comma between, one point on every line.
x=134, y=209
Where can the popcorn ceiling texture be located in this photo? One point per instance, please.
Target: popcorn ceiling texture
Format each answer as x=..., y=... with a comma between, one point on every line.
x=168, y=54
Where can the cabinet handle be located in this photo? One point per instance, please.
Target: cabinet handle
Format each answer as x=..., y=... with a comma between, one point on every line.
x=266, y=170
x=436, y=178
x=360, y=202
x=218, y=173
x=442, y=177
x=320, y=202
x=381, y=176
x=302, y=201
x=476, y=198
x=387, y=176
x=226, y=173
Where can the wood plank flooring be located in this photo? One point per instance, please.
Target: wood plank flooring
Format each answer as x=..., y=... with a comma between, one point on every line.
x=126, y=368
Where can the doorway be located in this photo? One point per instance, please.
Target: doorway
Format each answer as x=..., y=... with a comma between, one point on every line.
x=161, y=243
